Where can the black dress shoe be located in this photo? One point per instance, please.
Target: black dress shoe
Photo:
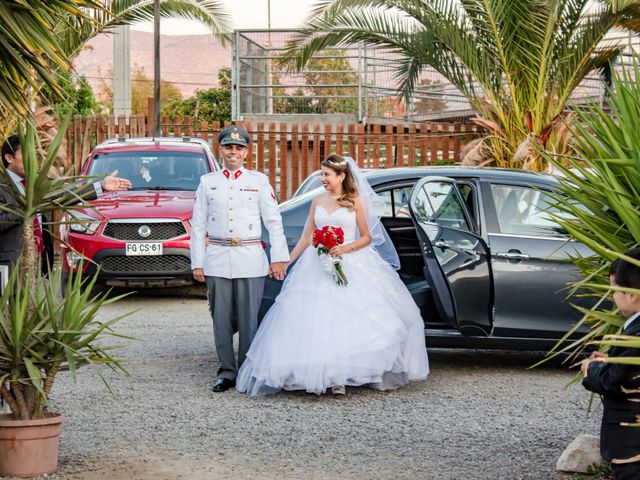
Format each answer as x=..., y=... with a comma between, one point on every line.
x=223, y=384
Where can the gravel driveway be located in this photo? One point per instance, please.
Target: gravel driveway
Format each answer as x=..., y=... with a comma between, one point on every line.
x=479, y=415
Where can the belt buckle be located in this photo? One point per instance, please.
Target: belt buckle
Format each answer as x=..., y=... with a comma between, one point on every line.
x=235, y=242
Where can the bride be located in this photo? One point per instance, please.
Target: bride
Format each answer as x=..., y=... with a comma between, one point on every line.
x=320, y=335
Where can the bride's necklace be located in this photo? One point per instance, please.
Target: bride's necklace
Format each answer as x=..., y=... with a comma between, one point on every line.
x=335, y=197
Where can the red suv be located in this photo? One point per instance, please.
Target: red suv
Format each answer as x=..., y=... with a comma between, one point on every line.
x=139, y=238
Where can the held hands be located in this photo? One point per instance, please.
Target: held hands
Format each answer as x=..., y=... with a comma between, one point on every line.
x=278, y=270
x=198, y=274
x=595, y=357
x=111, y=183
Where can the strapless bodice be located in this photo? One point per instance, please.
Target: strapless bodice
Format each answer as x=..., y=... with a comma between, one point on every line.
x=341, y=217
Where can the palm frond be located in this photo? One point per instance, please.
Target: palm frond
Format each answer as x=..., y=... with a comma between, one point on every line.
x=75, y=33
x=517, y=63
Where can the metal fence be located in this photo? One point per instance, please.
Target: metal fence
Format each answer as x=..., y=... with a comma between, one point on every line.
x=357, y=82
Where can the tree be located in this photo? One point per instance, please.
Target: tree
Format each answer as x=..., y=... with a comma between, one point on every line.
x=224, y=77
x=39, y=37
x=141, y=91
x=78, y=97
x=516, y=62
x=323, y=90
x=430, y=99
x=210, y=13
x=211, y=105
x=32, y=52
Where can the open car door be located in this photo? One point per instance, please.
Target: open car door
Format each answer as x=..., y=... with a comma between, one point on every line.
x=456, y=259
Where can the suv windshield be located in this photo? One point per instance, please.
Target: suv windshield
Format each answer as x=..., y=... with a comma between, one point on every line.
x=156, y=170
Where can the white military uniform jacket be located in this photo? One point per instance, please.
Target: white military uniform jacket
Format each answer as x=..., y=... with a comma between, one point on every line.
x=228, y=211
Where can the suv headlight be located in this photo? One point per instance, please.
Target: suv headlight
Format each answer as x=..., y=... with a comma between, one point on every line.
x=82, y=223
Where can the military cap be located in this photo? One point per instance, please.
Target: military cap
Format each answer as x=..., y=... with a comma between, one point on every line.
x=234, y=136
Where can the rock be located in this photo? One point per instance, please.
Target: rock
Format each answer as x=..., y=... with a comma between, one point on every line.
x=580, y=454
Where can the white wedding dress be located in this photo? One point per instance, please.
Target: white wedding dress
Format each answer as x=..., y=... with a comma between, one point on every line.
x=319, y=334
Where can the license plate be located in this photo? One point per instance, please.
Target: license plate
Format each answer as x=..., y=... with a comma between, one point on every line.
x=134, y=249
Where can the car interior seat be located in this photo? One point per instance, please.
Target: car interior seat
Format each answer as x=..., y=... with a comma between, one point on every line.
x=509, y=212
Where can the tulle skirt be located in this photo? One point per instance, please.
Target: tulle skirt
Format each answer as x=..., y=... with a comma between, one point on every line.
x=319, y=334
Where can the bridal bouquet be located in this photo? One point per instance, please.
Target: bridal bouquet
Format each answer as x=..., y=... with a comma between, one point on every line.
x=325, y=239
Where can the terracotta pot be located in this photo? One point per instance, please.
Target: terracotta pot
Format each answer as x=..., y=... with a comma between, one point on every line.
x=29, y=448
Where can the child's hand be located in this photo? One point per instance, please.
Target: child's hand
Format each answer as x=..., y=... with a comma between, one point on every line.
x=595, y=357
x=584, y=366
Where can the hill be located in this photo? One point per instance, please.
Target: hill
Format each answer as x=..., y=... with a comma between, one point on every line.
x=191, y=62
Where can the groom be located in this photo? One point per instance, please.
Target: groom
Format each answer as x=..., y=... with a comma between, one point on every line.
x=229, y=209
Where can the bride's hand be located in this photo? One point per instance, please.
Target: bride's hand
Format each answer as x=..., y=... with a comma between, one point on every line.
x=338, y=251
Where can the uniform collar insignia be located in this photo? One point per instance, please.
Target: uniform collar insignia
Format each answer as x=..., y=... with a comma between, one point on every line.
x=227, y=173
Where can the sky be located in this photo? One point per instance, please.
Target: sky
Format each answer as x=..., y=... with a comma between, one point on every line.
x=246, y=14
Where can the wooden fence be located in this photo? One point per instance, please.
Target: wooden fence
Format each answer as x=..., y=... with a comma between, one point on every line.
x=288, y=152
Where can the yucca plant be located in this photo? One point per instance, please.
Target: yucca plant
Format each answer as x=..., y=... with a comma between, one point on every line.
x=43, y=194
x=42, y=333
x=600, y=203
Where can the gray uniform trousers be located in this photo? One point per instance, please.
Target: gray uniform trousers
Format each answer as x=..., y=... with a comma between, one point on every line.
x=234, y=304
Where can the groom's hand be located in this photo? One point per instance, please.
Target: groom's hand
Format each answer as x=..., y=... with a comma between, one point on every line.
x=278, y=270
x=198, y=274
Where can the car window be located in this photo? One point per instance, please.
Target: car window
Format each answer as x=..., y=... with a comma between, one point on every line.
x=525, y=210
x=388, y=203
x=439, y=202
x=469, y=198
x=396, y=201
x=153, y=169
x=310, y=183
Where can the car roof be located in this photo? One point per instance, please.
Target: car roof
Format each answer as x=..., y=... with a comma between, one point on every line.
x=490, y=173
x=185, y=144
x=382, y=175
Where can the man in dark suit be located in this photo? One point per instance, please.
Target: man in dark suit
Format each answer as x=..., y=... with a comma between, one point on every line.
x=10, y=224
x=618, y=384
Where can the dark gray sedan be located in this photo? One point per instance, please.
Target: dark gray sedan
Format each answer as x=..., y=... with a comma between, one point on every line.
x=478, y=251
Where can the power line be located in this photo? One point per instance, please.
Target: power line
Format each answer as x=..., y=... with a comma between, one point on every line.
x=151, y=81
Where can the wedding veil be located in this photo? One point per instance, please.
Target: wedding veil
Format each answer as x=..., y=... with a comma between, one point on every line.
x=374, y=207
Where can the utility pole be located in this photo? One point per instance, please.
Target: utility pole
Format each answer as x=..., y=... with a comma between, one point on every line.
x=156, y=68
x=269, y=75
x=121, y=72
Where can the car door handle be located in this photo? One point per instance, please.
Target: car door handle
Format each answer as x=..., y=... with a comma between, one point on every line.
x=441, y=244
x=402, y=229
x=512, y=256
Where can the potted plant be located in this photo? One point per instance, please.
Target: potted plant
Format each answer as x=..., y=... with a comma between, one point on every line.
x=42, y=332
